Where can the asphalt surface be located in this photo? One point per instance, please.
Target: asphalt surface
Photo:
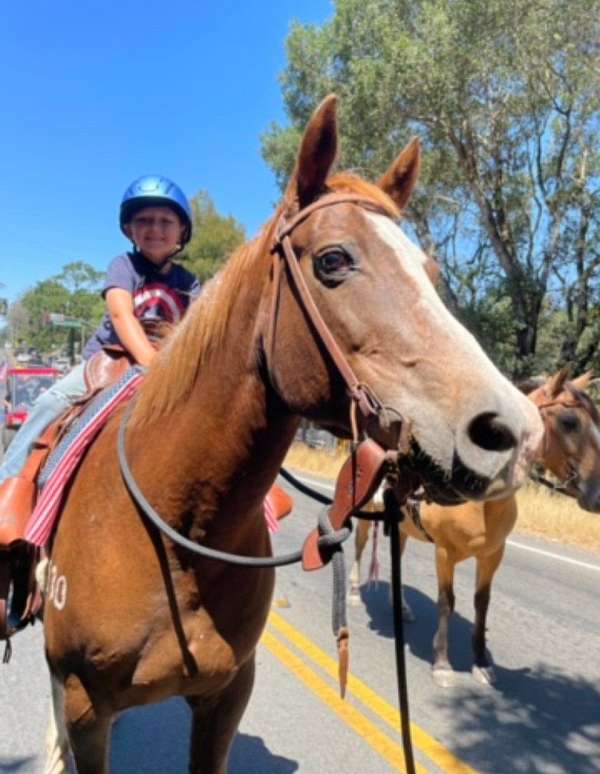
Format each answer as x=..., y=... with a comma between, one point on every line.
x=542, y=715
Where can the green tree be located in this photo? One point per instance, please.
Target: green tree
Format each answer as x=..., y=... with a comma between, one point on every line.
x=505, y=95
x=74, y=292
x=214, y=237
x=17, y=319
x=79, y=275
x=84, y=284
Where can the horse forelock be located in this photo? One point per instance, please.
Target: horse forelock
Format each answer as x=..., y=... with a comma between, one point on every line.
x=351, y=183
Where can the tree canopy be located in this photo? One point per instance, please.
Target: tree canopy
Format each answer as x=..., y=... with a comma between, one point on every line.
x=74, y=292
x=214, y=238
x=505, y=95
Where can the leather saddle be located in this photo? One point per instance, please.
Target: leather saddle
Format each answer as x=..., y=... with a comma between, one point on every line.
x=104, y=368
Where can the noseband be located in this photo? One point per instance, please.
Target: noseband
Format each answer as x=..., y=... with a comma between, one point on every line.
x=363, y=397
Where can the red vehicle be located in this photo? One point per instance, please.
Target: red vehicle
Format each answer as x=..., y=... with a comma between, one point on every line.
x=23, y=387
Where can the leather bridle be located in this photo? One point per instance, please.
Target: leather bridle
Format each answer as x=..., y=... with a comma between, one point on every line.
x=565, y=487
x=363, y=397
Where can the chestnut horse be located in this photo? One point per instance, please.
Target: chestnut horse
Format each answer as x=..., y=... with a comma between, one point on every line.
x=131, y=618
x=570, y=451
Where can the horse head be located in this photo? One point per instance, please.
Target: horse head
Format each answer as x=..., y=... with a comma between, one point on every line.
x=472, y=433
x=571, y=446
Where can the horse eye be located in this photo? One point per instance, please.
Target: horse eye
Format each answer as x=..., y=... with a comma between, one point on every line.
x=569, y=423
x=333, y=262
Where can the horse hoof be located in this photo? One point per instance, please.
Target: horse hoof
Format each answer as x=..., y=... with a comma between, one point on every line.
x=444, y=677
x=484, y=675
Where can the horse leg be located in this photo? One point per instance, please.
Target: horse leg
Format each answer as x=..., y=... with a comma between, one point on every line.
x=360, y=541
x=443, y=673
x=215, y=722
x=483, y=669
x=88, y=729
x=57, y=742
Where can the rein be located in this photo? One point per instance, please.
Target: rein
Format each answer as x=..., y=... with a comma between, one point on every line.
x=197, y=548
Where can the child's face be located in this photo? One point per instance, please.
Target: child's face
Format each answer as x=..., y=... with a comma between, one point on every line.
x=157, y=232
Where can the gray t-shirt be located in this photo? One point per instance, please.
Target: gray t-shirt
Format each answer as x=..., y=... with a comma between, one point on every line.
x=155, y=296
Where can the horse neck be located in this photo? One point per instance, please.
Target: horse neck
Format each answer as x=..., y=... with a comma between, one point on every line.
x=221, y=447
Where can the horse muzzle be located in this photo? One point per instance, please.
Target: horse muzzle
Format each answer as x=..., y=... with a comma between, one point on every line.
x=588, y=496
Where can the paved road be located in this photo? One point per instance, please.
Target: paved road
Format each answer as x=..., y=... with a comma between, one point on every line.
x=542, y=716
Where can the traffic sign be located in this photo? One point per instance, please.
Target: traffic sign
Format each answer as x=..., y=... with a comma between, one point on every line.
x=62, y=321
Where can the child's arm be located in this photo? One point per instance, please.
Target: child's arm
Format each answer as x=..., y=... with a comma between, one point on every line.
x=131, y=334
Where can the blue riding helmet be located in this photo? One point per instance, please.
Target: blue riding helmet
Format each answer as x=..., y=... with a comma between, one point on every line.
x=156, y=191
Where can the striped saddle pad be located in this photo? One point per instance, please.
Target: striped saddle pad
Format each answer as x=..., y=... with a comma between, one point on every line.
x=57, y=474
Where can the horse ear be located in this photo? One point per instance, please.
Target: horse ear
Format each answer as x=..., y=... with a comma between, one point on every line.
x=557, y=382
x=317, y=153
x=583, y=381
x=400, y=179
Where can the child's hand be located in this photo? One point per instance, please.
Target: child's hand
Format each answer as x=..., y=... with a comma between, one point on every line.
x=128, y=327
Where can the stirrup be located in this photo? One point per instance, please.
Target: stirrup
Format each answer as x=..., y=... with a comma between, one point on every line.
x=20, y=595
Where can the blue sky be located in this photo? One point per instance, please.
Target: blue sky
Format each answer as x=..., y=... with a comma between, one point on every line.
x=95, y=94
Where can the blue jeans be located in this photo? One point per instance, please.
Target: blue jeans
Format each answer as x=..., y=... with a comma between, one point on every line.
x=46, y=409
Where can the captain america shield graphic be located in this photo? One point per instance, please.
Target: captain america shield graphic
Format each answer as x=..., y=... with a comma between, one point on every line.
x=156, y=301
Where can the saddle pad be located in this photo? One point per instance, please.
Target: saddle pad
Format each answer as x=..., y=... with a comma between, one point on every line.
x=271, y=514
x=54, y=479
x=62, y=463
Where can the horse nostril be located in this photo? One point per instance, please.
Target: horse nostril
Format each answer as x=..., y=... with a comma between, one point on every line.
x=489, y=433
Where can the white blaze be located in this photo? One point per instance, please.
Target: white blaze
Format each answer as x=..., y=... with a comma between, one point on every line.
x=413, y=260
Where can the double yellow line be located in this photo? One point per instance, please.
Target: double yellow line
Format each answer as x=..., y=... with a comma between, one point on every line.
x=389, y=749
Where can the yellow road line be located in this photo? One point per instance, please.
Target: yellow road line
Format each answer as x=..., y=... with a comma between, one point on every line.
x=439, y=754
x=386, y=747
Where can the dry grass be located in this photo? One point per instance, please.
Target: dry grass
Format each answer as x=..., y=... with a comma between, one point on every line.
x=551, y=516
x=319, y=461
x=556, y=517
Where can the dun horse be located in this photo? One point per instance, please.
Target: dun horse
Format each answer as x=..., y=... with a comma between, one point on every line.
x=570, y=451
x=140, y=619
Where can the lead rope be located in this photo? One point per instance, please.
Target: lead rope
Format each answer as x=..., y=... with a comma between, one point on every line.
x=333, y=541
x=393, y=517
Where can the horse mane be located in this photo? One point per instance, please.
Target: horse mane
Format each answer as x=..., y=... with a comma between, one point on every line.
x=192, y=343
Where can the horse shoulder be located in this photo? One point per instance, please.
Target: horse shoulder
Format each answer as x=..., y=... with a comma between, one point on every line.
x=500, y=519
x=454, y=524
